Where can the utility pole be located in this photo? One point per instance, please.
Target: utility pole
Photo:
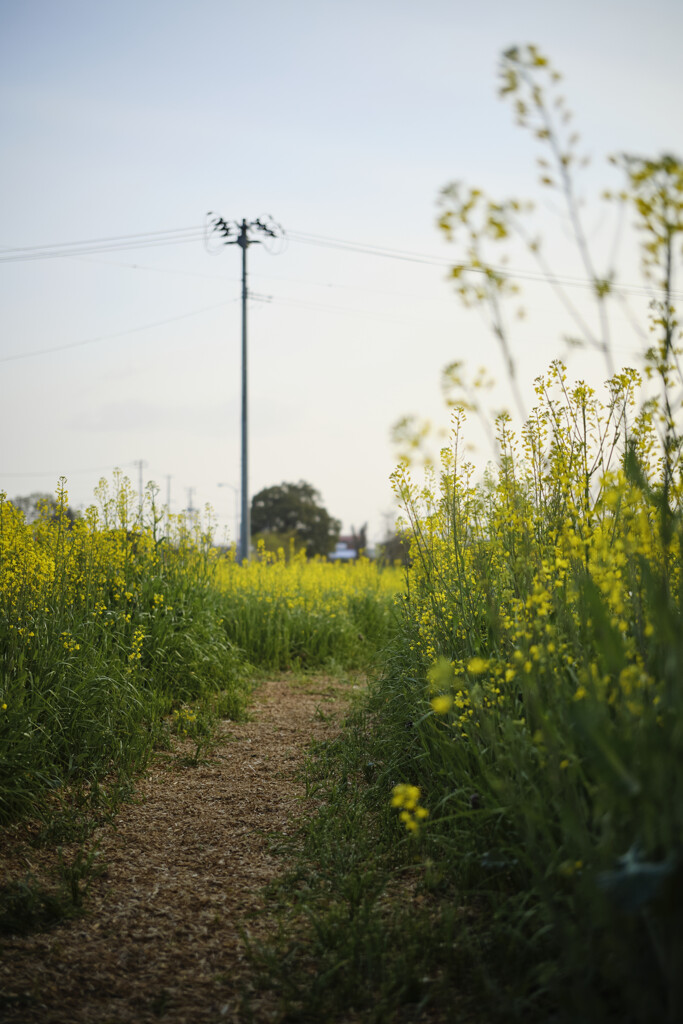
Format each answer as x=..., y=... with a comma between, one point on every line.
x=228, y=229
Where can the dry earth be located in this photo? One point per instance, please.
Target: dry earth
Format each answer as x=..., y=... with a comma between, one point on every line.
x=162, y=936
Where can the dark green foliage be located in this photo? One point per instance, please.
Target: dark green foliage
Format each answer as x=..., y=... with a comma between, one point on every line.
x=295, y=510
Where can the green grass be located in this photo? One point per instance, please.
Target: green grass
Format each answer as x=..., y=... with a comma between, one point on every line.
x=368, y=926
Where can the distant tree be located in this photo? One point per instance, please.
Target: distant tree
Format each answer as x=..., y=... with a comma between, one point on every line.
x=396, y=544
x=394, y=548
x=40, y=504
x=295, y=510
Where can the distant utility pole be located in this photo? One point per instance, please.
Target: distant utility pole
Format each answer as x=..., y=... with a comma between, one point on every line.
x=235, y=492
x=140, y=463
x=190, y=496
x=228, y=229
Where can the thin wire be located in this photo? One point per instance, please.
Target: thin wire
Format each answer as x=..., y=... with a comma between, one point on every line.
x=93, y=250
x=86, y=249
x=415, y=257
x=72, y=472
x=446, y=297
x=112, y=337
x=176, y=236
x=94, y=241
x=369, y=250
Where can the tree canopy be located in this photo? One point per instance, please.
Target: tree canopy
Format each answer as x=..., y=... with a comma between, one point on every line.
x=40, y=504
x=295, y=510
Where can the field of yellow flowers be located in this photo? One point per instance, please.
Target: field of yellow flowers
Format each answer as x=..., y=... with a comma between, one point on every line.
x=127, y=623
x=283, y=609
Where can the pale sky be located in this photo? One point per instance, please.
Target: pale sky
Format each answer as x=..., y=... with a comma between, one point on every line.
x=341, y=119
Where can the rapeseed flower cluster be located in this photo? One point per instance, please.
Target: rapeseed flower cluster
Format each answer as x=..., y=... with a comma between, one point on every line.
x=184, y=719
x=497, y=583
x=135, y=655
x=405, y=798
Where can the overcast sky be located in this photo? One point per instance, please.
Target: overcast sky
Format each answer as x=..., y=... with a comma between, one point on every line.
x=340, y=118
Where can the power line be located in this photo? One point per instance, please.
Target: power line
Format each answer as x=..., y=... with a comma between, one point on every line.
x=72, y=472
x=367, y=249
x=176, y=236
x=112, y=337
x=93, y=250
x=114, y=243
x=410, y=256
x=105, y=238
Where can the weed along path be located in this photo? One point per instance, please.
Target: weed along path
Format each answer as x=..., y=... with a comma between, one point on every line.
x=162, y=933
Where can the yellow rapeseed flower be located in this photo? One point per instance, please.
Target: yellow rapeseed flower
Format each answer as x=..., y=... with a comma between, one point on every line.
x=405, y=798
x=441, y=705
x=476, y=666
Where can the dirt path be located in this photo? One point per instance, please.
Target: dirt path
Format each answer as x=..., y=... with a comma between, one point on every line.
x=161, y=939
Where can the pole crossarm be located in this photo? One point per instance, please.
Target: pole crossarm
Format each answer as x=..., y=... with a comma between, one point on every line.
x=238, y=233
